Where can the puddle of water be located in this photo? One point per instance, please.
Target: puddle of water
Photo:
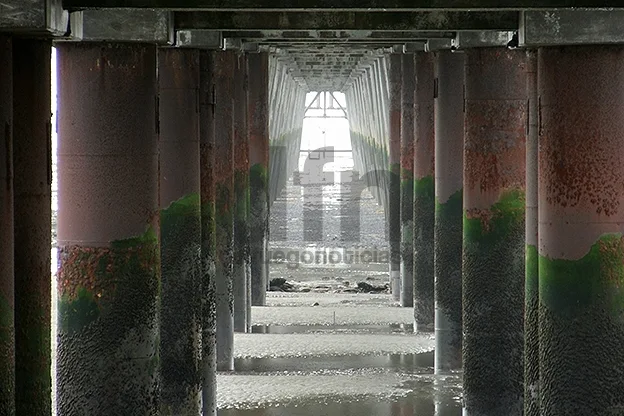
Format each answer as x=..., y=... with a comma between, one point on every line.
x=308, y=329
x=405, y=363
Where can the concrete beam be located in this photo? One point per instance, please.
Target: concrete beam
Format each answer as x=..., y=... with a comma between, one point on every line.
x=369, y=5
x=151, y=26
x=335, y=34
x=201, y=39
x=34, y=17
x=465, y=40
x=571, y=27
x=341, y=20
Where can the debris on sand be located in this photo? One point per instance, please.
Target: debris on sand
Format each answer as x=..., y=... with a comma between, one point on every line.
x=368, y=288
x=279, y=284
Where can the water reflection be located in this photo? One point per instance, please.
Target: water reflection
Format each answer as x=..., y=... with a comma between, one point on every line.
x=424, y=394
x=360, y=329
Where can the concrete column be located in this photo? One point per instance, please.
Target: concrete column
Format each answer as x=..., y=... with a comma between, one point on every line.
x=108, y=232
x=241, y=196
x=531, y=300
x=180, y=231
x=394, y=169
x=494, y=235
x=7, y=328
x=208, y=234
x=408, y=85
x=581, y=217
x=424, y=194
x=224, y=66
x=449, y=139
x=32, y=180
x=258, y=127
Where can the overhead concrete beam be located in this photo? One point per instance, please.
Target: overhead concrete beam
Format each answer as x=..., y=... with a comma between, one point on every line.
x=465, y=40
x=341, y=20
x=571, y=27
x=201, y=39
x=151, y=26
x=35, y=17
x=438, y=45
x=336, y=34
x=368, y=5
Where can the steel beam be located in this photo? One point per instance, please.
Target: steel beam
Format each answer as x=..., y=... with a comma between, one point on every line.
x=336, y=35
x=349, y=20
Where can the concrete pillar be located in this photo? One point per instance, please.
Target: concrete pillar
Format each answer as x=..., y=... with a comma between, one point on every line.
x=424, y=194
x=108, y=232
x=449, y=139
x=180, y=231
x=581, y=217
x=241, y=196
x=224, y=66
x=32, y=180
x=494, y=235
x=531, y=301
x=208, y=234
x=394, y=170
x=7, y=328
x=408, y=85
x=258, y=128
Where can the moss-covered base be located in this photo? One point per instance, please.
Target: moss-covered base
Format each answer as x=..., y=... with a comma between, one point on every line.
x=493, y=304
x=107, y=360
x=423, y=211
x=180, y=312
x=582, y=331
x=7, y=358
x=531, y=334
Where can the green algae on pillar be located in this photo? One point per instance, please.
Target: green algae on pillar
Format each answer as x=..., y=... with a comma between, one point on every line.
x=449, y=139
x=494, y=231
x=108, y=230
x=424, y=193
x=531, y=293
x=32, y=191
x=7, y=304
x=407, y=180
x=241, y=198
x=394, y=174
x=258, y=124
x=180, y=232
x=208, y=241
x=581, y=217
x=224, y=63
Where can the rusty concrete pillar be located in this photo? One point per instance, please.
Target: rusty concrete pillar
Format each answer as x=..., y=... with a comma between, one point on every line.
x=208, y=237
x=581, y=225
x=424, y=193
x=241, y=196
x=408, y=84
x=449, y=140
x=258, y=128
x=7, y=328
x=180, y=231
x=224, y=67
x=494, y=234
x=531, y=300
x=32, y=181
x=108, y=231
x=394, y=173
